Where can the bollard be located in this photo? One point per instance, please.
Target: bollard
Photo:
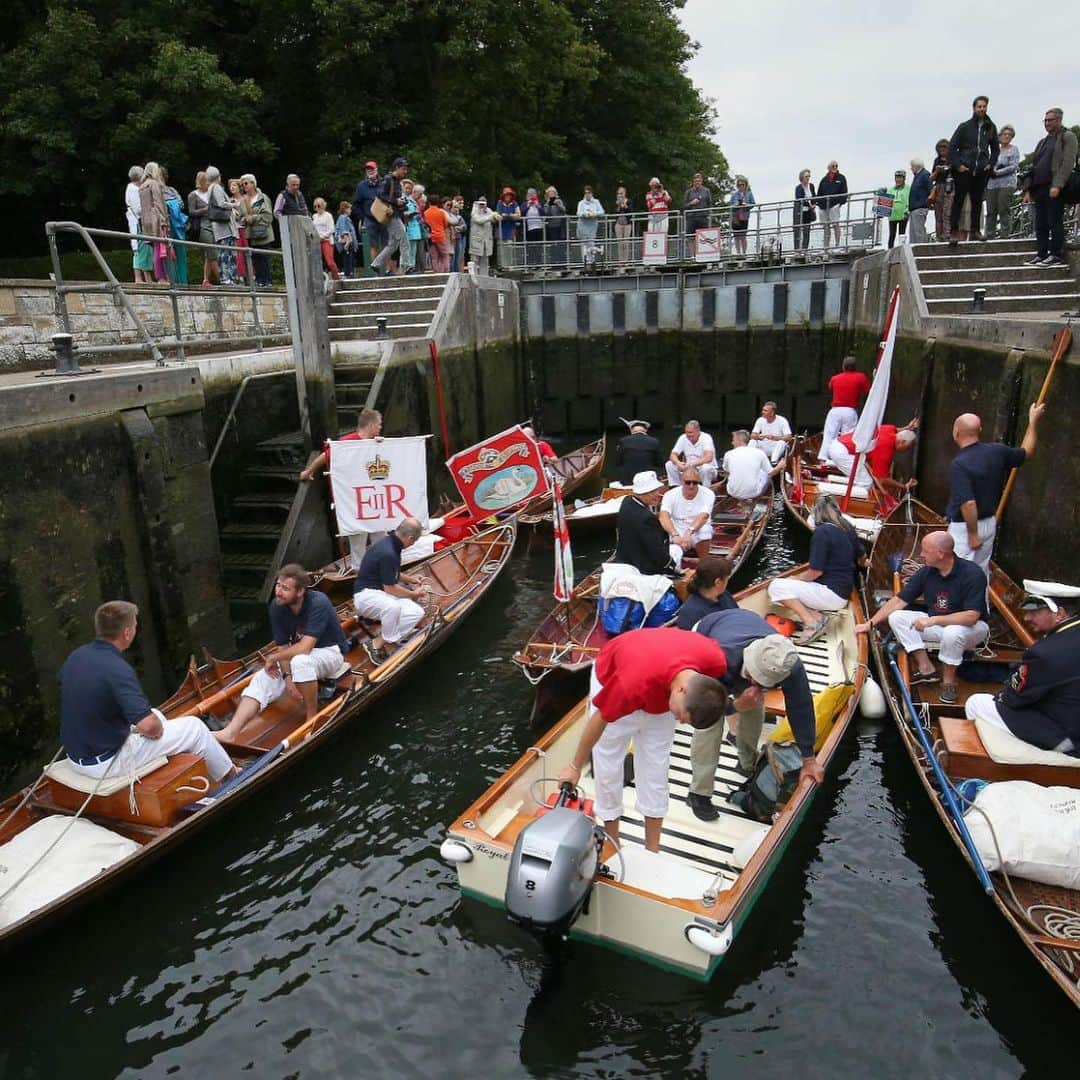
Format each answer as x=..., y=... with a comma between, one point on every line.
x=65, y=348
x=978, y=302
x=380, y=327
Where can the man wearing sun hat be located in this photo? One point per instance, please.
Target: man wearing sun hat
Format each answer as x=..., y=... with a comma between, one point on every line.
x=642, y=542
x=758, y=659
x=1041, y=700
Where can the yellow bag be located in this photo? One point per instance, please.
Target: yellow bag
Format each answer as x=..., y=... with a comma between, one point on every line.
x=827, y=706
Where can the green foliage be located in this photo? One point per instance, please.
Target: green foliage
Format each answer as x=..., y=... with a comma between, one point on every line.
x=477, y=93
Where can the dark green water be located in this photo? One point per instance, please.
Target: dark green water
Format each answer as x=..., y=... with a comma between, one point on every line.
x=316, y=932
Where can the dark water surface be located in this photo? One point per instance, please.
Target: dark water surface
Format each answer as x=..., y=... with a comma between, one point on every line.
x=317, y=933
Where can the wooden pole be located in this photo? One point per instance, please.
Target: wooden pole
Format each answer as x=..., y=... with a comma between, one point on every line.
x=1062, y=341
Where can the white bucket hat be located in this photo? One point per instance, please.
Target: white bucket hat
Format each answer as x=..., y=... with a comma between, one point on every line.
x=644, y=482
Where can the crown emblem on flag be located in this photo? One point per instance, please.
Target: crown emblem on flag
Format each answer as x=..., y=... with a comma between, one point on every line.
x=377, y=469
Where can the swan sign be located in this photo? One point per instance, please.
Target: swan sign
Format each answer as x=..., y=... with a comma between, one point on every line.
x=499, y=474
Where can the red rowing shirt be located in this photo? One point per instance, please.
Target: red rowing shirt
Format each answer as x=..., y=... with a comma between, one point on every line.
x=848, y=389
x=352, y=436
x=879, y=460
x=545, y=449
x=635, y=669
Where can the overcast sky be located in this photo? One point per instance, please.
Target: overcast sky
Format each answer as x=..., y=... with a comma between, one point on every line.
x=872, y=84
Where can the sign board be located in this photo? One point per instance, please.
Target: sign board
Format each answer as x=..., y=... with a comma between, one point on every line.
x=654, y=248
x=708, y=246
x=499, y=473
x=376, y=483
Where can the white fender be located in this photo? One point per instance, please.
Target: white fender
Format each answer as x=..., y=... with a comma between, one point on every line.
x=454, y=851
x=715, y=944
x=871, y=700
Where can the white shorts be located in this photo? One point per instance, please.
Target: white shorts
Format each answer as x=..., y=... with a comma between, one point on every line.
x=652, y=735
x=952, y=641
x=704, y=533
x=811, y=593
x=398, y=614
x=305, y=667
x=775, y=450
x=829, y=215
x=987, y=529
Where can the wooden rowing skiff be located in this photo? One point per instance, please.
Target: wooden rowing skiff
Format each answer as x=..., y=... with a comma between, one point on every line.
x=683, y=907
x=1032, y=909
x=457, y=577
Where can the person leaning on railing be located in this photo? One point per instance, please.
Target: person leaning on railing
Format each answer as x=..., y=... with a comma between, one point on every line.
x=624, y=223
x=832, y=193
x=554, y=226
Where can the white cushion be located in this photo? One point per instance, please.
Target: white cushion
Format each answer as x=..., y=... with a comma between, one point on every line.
x=1006, y=749
x=824, y=487
x=63, y=772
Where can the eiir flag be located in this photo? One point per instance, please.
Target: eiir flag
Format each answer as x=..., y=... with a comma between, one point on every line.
x=376, y=483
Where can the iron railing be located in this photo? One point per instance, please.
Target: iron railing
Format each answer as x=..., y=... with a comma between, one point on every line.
x=149, y=344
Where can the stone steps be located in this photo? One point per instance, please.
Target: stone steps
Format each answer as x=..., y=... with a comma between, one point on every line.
x=1057, y=302
x=982, y=275
x=356, y=333
x=979, y=259
x=1039, y=287
x=407, y=303
x=990, y=247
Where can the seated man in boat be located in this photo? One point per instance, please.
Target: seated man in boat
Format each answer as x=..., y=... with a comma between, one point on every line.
x=878, y=461
x=642, y=541
x=309, y=645
x=953, y=592
x=643, y=683
x=835, y=553
x=368, y=426
x=748, y=470
x=848, y=388
x=771, y=432
x=685, y=512
x=758, y=659
x=545, y=447
x=1041, y=701
x=384, y=593
x=708, y=592
x=694, y=449
x=638, y=452
x=107, y=725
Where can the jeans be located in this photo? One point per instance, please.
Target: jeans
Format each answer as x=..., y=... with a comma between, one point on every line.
x=260, y=265
x=972, y=185
x=1049, y=222
x=396, y=243
x=802, y=232
x=918, y=226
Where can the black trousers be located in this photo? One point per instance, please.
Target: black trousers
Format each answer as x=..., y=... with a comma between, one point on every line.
x=896, y=227
x=973, y=185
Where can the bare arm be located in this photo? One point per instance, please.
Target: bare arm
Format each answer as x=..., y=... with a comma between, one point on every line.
x=892, y=604
x=667, y=523
x=150, y=726
x=314, y=467
x=590, y=736
x=970, y=512
x=1031, y=435
x=957, y=618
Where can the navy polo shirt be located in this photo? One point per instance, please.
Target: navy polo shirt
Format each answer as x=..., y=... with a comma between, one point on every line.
x=381, y=564
x=964, y=589
x=835, y=551
x=697, y=607
x=100, y=698
x=979, y=472
x=316, y=618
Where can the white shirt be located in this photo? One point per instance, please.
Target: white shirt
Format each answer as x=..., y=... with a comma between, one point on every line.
x=133, y=205
x=684, y=512
x=776, y=426
x=694, y=452
x=747, y=470
x=324, y=225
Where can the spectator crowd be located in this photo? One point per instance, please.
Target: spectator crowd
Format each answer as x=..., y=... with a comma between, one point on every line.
x=394, y=225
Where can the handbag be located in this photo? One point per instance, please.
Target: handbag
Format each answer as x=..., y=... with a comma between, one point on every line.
x=218, y=213
x=381, y=211
x=259, y=232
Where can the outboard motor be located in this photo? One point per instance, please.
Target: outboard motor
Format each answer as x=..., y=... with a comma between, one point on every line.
x=553, y=867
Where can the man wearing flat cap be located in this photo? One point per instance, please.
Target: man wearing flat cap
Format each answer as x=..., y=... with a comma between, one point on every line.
x=758, y=659
x=638, y=452
x=1041, y=701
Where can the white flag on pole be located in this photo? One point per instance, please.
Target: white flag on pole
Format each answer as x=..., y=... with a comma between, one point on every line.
x=376, y=483
x=874, y=409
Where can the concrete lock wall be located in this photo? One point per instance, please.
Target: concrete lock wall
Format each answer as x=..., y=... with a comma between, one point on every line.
x=29, y=316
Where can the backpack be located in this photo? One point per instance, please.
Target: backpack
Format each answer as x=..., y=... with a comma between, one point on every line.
x=1070, y=193
x=772, y=783
x=619, y=613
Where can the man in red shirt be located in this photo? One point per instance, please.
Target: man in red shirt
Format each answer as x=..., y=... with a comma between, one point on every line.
x=545, y=447
x=877, y=462
x=642, y=684
x=848, y=388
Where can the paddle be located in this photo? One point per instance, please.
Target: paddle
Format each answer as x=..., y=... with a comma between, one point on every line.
x=1062, y=341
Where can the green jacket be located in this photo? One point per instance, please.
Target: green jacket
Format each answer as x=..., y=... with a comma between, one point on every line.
x=900, y=201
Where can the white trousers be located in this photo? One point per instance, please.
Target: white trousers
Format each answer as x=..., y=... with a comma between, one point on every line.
x=775, y=450
x=704, y=533
x=838, y=421
x=305, y=667
x=184, y=735
x=706, y=472
x=952, y=641
x=813, y=595
x=981, y=556
x=984, y=707
x=652, y=735
x=398, y=614
x=843, y=460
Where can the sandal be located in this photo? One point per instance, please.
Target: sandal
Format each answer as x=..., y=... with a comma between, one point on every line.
x=810, y=634
x=921, y=678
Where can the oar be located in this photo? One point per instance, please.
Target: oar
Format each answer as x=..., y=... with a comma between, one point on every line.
x=1062, y=341
x=943, y=782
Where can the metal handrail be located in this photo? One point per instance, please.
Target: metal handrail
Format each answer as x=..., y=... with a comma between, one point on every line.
x=114, y=285
x=770, y=232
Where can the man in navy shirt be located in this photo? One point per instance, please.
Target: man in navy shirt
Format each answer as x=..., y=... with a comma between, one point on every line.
x=953, y=591
x=977, y=477
x=384, y=593
x=310, y=645
x=758, y=659
x=106, y=722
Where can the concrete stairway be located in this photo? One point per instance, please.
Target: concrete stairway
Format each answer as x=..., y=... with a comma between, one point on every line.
x=950, y=274
x=407, y=303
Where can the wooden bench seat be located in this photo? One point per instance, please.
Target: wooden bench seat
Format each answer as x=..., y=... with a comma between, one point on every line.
x=968, y=759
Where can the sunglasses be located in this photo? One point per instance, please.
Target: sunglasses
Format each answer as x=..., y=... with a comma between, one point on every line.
x=692, y=483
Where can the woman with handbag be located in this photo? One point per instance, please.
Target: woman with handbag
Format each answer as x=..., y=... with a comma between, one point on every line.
x=153, y=221
x=259, y=225
x=223, y=225
x=199, y=227
x=803, y=212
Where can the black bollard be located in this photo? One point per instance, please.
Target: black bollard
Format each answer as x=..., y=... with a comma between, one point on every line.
x=380, y=327
x=65, y=348
x=978, y=302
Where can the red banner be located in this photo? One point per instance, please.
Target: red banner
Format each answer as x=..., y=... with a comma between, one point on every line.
x=499, y=473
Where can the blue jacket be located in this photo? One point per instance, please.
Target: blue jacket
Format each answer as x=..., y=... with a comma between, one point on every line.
x=364, y=196
x=344, y=227
x=920, y=190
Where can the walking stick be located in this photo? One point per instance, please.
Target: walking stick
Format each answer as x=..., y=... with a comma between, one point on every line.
x=1062, y=341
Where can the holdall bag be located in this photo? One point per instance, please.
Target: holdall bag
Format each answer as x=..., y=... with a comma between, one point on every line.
x=772, y=783
x=381, y=211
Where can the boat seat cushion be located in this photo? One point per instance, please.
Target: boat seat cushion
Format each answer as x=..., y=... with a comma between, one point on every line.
x=857, y=490
x=63, y=772
x=1006, y=749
